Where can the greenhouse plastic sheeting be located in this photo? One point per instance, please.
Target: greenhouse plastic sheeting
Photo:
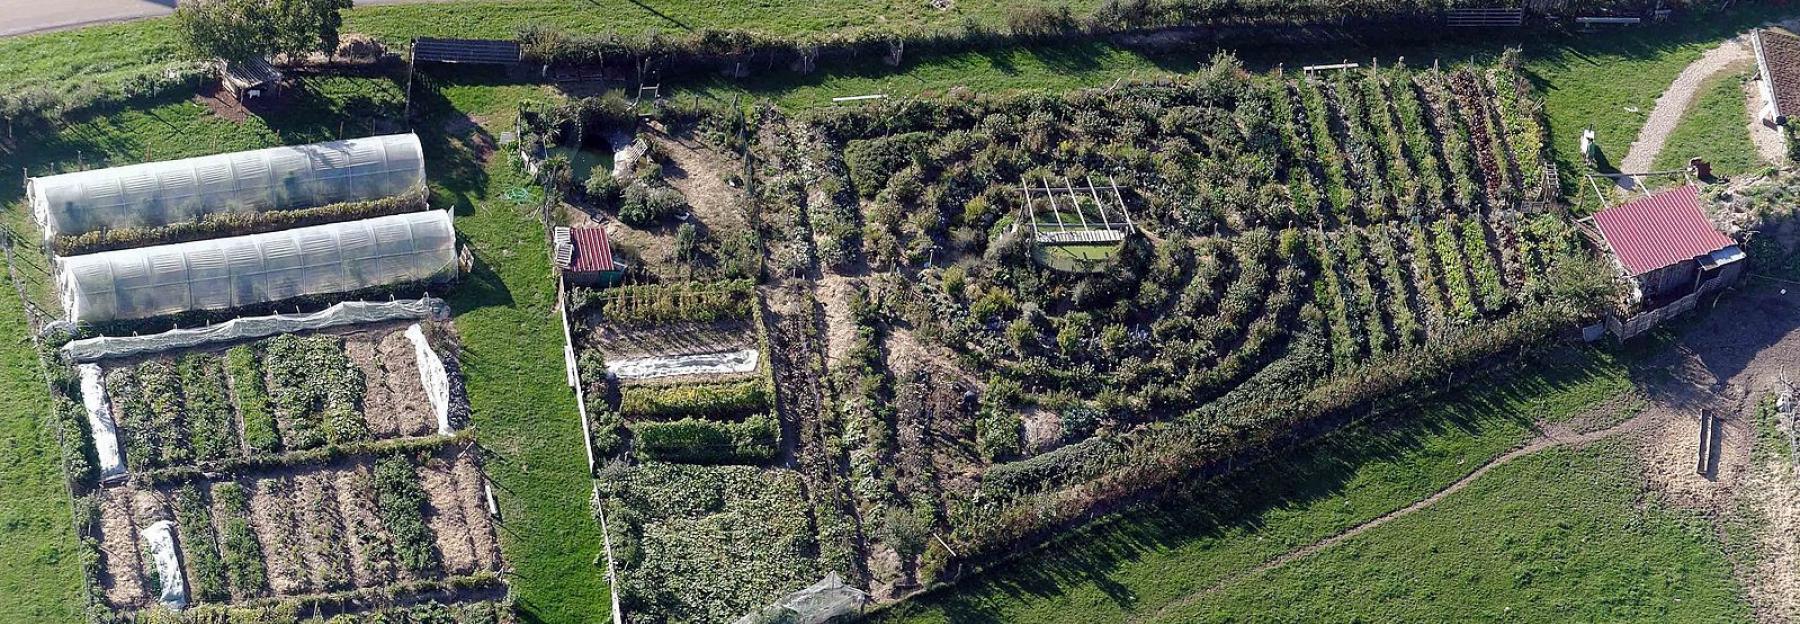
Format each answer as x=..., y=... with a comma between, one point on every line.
x=279, y=178
x=161, y=539
x=253, y=327
x=100, y=421
x=226, y=273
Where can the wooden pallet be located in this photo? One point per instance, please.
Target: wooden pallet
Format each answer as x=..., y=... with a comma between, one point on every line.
x=1484, y=18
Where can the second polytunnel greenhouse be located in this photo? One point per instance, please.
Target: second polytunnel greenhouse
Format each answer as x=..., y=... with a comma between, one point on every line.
x=227, y=273
x=279, y=178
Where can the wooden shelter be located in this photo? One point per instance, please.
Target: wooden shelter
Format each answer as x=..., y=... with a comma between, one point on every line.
x=1666, y=246
x=250, y=80
x=585, y=257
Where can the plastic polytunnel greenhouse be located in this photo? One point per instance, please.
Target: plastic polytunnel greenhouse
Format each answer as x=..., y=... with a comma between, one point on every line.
x=226, y=273
x=279, y=178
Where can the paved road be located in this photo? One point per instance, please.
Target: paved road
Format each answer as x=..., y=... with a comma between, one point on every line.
x=19, y=17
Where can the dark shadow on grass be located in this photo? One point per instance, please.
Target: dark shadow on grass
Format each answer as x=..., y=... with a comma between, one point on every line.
x=1238, y=504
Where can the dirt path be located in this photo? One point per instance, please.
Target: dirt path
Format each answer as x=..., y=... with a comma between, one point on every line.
x=1675, y=101
x=1551, y=437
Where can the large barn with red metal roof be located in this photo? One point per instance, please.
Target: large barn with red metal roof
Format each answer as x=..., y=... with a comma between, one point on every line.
x=1667, y=247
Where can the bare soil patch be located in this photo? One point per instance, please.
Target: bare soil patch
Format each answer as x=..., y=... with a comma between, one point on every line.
x=395, y=403
x=123, y=566
x=668, y=340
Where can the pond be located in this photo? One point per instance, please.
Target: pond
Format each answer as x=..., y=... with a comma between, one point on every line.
x=583, y=160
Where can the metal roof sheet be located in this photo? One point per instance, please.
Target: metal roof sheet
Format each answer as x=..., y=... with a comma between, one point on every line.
x=1660, y=230
x=429, y=50
x=593, y=252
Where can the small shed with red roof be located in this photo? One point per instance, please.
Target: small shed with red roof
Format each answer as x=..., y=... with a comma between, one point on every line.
x=585, y=256
x=1667, y=247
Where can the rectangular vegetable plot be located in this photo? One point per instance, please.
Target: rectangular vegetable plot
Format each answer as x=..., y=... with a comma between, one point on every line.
x=285, y=394
x=408, y=521
x=681, y=368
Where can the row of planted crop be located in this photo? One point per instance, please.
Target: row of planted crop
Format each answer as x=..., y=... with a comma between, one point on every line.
x=287, y=393
x=310, y=536
x=1395, y=143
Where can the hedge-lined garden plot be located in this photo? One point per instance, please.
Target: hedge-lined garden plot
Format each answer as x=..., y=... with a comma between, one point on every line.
x=1298, y=243
x=404, y=521
x=706, y=543
x=279, y=395
x=681, y=369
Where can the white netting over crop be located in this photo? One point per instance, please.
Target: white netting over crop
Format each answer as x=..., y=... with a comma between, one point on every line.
x=100, y=421
x=433, y=375
x=253, y=327
x=260, y=268
x=828, y=600
x=160, y=537
x=160, y=193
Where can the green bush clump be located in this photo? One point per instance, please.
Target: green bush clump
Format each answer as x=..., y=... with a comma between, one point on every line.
x=238, y=544
x=713, y=400
x=402, y=504
x=644, y=204
x=209, y=416
x=316, y=391
x=193, y=519
x=872, y=162
x=244, y=365
x=697, y=441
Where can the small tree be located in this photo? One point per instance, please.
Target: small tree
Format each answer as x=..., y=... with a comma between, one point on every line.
x=687, y=241
x=244, y=30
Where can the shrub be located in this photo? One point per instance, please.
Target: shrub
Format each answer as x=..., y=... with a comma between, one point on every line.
x=873, y=162
x=687, y=241
x=244, y=365
x=717, y=400
x=645, y=204
x=692, y=440
x=601, y=187
x=402, y=504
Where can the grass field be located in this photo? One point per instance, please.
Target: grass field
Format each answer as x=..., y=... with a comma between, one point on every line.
x=1714, y=128
x=1580, y=542
x=40, y=566
x=1139, y=562
x=525, y=416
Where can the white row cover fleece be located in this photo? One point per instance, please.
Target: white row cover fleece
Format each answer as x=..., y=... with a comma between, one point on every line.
x=161, y=539
x=100, y=422
x=433, y=375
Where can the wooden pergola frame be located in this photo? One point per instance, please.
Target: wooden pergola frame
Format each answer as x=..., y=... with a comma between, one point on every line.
x=1109, y=228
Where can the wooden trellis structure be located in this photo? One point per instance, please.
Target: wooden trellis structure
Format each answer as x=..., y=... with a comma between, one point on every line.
x=1085, y=214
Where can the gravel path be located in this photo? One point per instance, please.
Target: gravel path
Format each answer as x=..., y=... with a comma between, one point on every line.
x=1769, y=144
x=1675, y=100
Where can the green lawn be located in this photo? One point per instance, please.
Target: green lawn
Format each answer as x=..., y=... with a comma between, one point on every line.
x=502, y=18
x=1562, y=536
x=40, y=560
x=525, y=415
x=1137, y=563
x=1714, y=128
